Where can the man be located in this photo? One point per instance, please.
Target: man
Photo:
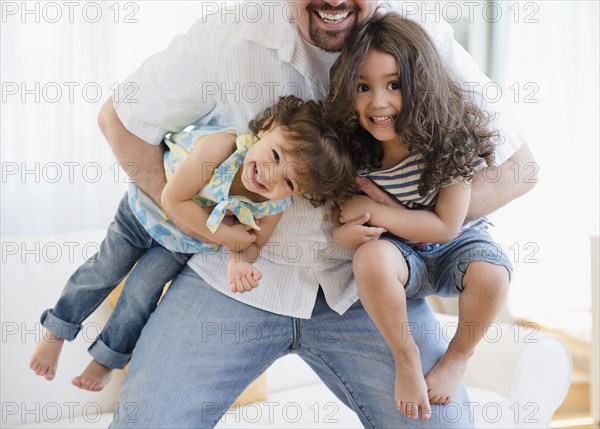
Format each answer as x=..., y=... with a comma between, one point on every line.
x=193, y=358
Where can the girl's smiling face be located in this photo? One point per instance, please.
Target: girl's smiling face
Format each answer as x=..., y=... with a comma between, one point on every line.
x=378, y=99
x=269, y=170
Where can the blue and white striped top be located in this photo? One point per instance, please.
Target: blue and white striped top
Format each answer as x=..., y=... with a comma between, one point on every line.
x=402, y=181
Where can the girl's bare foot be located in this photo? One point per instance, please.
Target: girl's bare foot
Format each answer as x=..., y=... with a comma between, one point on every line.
x=443, y=381
x=44, y=360
x=410, y=390
x=93, y=378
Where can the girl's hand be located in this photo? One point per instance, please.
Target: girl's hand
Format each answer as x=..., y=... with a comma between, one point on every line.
x=355, y=208
x=236, y=237
x=354, y=233
x=242, y=275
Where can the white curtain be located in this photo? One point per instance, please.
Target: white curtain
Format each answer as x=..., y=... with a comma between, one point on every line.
x=59, y=64
x=550, y=76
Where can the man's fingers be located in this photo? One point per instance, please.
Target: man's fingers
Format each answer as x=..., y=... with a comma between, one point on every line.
x=375, y=192
x=228, y=219
x=367, y=186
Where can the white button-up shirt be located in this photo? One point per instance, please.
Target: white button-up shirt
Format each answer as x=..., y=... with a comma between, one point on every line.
x=225, y=70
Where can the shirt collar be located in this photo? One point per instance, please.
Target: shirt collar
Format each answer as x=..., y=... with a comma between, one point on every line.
x=274, y=33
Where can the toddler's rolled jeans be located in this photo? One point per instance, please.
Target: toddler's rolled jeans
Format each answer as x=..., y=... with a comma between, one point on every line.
x=126, y=243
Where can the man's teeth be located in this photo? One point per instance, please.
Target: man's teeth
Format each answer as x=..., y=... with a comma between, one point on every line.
x=333, y=18
x=382, y=120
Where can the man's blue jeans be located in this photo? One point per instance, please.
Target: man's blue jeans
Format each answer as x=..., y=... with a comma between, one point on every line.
x=126, y=243
x=200, y=349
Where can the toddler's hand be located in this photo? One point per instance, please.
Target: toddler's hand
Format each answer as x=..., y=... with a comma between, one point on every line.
x=242, y=275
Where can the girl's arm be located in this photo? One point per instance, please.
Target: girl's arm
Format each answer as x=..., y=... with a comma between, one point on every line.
x=242, y=275
x=437, y=226
x=191, y=176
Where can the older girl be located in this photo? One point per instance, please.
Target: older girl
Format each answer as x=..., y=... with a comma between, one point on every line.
x=419, y=138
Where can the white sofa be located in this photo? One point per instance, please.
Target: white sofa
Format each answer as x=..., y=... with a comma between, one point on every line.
x=517, y=378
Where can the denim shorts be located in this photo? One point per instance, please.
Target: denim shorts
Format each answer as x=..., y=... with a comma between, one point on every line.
x=438, y=269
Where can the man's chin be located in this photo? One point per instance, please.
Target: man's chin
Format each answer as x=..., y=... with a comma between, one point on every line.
x=330, y=46
x=330, y=41
x=331, y=36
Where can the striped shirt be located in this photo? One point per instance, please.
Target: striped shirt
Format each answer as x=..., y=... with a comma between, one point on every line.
x=223, y=71
x=402, y=181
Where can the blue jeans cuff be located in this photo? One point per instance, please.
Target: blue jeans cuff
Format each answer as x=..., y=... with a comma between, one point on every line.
x=107, y=356
x=60, y=328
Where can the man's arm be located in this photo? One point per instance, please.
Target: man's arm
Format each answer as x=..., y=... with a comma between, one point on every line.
x=494, y=187
x=165, y=94
x=143, y=162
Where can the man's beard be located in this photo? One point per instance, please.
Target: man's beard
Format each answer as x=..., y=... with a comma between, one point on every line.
x=329, y=41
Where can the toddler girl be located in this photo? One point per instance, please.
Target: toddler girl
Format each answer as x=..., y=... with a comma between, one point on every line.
x=210, y=172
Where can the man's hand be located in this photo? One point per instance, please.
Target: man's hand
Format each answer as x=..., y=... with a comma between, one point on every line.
x=229, y=219
x=355, y=233
x=377, y=194
x=236, y=237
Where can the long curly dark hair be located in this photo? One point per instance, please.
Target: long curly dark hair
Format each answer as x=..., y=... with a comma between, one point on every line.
x=437, y=120
x=317, y=137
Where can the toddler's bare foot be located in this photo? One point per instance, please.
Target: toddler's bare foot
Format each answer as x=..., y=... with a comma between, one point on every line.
x=410, y=391
x=444, y=379
x=45, y=357
x=93, y=378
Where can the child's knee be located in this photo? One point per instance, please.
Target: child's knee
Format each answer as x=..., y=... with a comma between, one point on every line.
x=487, y=277
x=363, y=259
x=373, y=257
